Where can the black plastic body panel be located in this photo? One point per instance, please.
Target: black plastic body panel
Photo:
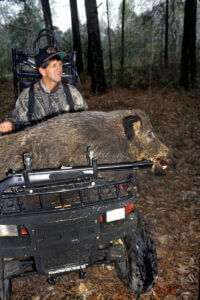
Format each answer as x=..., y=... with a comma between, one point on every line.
x=66, y=231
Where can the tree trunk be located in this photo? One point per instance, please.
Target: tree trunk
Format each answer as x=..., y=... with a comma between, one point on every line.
x=161, y=47
x=95, y=57
x=47, y=18
x=166, y=34
x=188, y=59
x=109, y=43
x=173, y=11
x=122, y=40
x=76, y=34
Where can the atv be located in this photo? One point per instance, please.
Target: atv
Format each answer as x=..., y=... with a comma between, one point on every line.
x=56, y=221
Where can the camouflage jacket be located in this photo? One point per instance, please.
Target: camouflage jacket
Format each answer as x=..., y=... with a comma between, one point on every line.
x=47, y=103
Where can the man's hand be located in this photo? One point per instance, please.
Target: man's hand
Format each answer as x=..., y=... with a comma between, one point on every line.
x=6, y=126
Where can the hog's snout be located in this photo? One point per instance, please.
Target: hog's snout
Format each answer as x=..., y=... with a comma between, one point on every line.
x=163, y=163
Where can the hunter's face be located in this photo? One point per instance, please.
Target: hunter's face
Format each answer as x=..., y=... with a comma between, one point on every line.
x=52, y=73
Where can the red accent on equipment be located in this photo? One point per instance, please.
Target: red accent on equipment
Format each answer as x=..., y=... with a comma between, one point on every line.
x=129, y=208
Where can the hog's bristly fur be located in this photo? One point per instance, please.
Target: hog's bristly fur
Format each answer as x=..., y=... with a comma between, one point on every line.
x=116, y=136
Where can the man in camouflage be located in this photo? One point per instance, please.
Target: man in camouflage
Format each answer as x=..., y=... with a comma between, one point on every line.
x=50, y=96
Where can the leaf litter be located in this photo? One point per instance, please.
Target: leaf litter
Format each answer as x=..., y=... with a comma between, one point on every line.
x=169, y=203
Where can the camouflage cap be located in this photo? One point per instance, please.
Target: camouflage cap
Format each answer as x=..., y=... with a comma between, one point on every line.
x=47, y=53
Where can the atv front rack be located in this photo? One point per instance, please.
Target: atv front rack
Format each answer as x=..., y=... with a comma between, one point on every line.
x=30, y=191
x=63, y=197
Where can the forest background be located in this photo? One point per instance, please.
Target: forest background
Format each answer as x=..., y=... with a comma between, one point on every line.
x=148, y=44
x=144, y=57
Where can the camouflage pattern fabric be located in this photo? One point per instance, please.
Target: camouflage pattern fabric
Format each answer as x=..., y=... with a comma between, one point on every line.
x=46, y=104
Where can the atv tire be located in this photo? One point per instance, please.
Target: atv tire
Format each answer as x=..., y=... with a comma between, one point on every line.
x=5, y=284
x=138, y=271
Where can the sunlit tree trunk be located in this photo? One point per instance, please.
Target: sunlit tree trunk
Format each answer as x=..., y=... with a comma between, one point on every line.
x=188, y=59
x=76, y=34
x=95, y=57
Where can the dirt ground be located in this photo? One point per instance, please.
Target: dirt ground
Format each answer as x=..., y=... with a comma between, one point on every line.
x=169, y=203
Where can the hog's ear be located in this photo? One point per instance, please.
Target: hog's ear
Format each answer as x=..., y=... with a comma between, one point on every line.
x=132, y=125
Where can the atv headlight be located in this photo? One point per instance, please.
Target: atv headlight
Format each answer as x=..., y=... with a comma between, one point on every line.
x=8, y=230
x=115, y=214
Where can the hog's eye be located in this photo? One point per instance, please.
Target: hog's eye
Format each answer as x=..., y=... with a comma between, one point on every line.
x=150, y=135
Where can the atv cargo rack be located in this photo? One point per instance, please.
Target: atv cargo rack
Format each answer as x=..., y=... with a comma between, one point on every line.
x=30, y=190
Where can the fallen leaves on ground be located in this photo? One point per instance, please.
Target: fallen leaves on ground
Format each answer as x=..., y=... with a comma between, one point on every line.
x=170, y=204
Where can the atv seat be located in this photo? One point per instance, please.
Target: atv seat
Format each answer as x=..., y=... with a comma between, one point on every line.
x=25, y=71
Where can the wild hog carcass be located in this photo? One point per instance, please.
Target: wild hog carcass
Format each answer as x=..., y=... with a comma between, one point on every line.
x=116, y=136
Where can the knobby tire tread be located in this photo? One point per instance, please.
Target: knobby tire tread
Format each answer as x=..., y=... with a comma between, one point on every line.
x=139, y=270
x=5, y=285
